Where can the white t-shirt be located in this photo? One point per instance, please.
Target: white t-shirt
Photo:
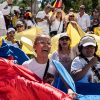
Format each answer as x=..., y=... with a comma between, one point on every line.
x=13, y=44
x=5, y=8
x=84, y=21
x=29, y=23
x=57, y=26
x=79, y=63
x=44, y=24
x=39, y=69
x=2, y=26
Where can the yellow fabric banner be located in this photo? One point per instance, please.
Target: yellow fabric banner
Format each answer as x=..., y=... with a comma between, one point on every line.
x=71, y=31
x=74, y=35
x=97, y=31
x=27, y=37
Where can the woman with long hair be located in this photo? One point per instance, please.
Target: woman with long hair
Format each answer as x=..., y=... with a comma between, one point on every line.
x=57, y=22
x=64, y=53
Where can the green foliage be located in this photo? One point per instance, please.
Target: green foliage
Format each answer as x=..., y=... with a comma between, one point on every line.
x=89, y=4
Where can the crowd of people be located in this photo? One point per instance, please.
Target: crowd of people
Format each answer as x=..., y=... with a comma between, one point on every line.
x=84, y=67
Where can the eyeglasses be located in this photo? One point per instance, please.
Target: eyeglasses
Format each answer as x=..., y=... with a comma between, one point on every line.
x=19, y=26
x=43, y=42
x=71, y=16
x=64, y=38
x=81, y=8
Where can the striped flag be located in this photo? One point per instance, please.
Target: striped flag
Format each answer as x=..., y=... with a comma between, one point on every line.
x=58, y=4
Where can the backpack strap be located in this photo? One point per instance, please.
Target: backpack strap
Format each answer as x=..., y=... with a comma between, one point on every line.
x=46, y=69
x=93, y=67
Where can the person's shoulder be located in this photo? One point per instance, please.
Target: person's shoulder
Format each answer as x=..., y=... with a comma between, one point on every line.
x=85, y=14
x=28, y=61
x=41, y=12
x=77, y=58
x=52, y=68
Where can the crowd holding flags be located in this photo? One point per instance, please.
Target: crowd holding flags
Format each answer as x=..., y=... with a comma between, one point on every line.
x=24, y=79
x=72, y=32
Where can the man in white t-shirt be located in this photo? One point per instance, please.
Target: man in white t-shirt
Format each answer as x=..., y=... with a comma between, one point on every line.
x=42, y=18
x=38, y=65
x=10, y=38
x=83, y=19
x=85, y=67
x=41, y=62
x=4, y=10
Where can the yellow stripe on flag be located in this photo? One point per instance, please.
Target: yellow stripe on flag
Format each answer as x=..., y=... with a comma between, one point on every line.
x=97, y=31
x=30, y=34
x=74, y=35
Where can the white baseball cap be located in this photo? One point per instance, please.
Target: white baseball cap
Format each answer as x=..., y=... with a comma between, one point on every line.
x=10, y=30
x=87, y=41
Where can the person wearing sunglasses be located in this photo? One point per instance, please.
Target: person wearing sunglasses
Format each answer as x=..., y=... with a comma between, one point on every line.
x=64, y=52
x=10, y=38
x=83, y=19
x=20, y=26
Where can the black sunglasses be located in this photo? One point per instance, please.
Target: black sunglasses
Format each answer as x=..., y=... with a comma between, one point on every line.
x=64, y=38
x=71, y=16
x=19, y=26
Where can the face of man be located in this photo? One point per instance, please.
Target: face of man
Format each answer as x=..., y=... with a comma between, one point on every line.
x=82, y=10
x=10, y=36
x=88, y=51
x=42, y=46
x=20, y=28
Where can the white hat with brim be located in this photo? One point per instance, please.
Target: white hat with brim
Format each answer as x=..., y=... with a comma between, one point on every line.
x=88, y=44
x=63, y=35
x=87, y=41
x=19, y=23
x=10, y=30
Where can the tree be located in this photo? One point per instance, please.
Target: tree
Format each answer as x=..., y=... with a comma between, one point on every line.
x=94, y=3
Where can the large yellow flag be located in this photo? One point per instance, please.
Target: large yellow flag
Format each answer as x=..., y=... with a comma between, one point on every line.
x=27, y=37
x=29, y=33
x=74, y=35
x=97, y=31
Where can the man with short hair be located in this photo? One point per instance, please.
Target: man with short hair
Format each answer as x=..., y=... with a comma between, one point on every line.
x=20, y=26
x=83, y=19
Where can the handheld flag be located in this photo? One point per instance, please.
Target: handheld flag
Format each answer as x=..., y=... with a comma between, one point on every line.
x=58, y=4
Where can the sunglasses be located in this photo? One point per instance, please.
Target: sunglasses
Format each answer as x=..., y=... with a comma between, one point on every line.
x=43, y=42
x=71, y=16
x=81, y=8
x=64, y=38
x=19, y=26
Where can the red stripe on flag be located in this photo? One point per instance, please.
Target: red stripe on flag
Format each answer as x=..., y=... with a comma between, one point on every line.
x=58, y=3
